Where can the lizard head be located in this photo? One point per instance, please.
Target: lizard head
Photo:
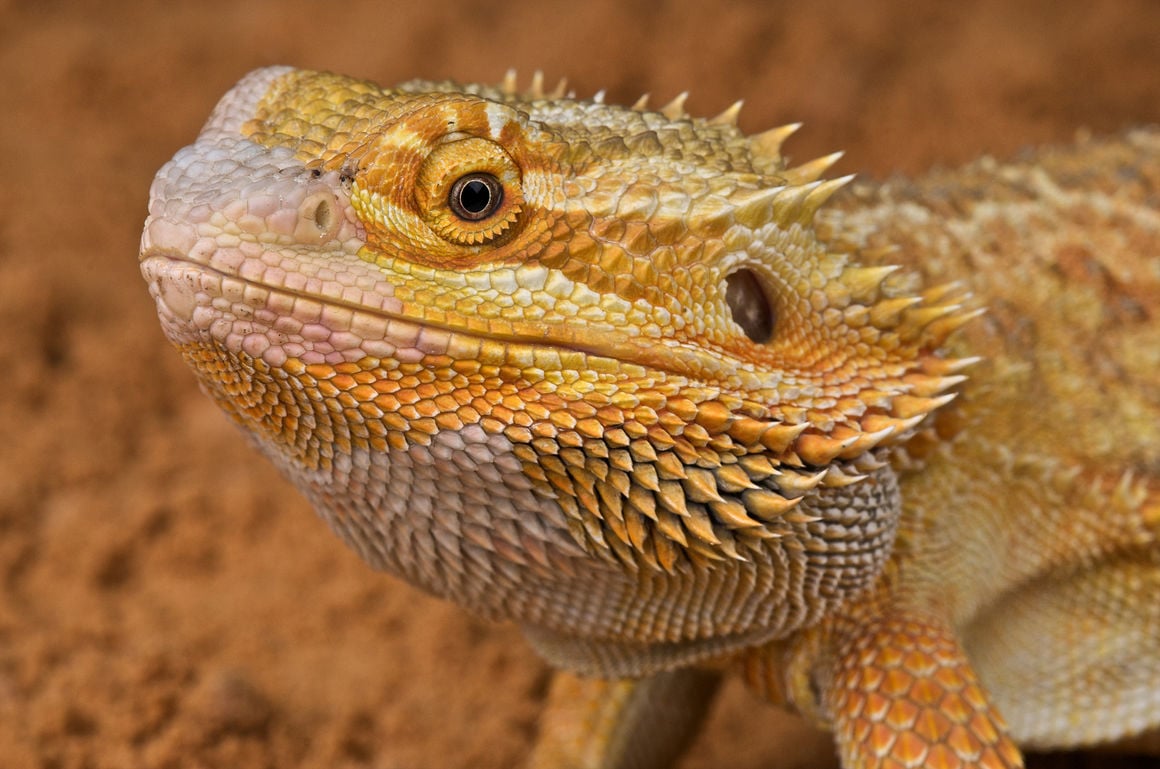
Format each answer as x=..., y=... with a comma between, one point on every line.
x=631, y=311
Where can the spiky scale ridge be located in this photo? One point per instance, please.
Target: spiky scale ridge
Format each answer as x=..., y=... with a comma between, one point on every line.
x=729, y=115
x=812, y=170
x=767, y=145
x=675, y=109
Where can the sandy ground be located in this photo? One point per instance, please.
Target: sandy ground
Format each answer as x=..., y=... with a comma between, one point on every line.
x=165, y=599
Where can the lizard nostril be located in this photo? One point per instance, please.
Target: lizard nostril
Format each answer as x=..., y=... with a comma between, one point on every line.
x=323, y=215
x=316, y=217
x=749, y=302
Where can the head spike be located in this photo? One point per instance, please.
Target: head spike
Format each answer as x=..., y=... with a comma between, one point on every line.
x=864, y=282
x=756, y=208
x=944, y=327
x=699, y=525
x=837, y=477
x=598, y=97
x=733, y=515
x=757, y=466
x=701, y=486
x=560, y=90
x=790, y=205
x=767, y=144
x=778, y=438
x=948, y=366
x=728, y=546
x=888, y=312
x=732, y=478
x=812, y=170
x=537, y=89
x=669, y=467
x=926, y=386
x=675, y=110
x=906, y=406
x=800, y=517
x=510, y=84
x=795, y=483
x=819, y=450
x=916, y=320
x=768, y=505
x=899, y=428
x=729, y=116
x=643, y=502
x=641, y=104
x=668, y=554
x=672, y=498
x=868, y=463
x=821, y=192
x=669, y=525
x=866, y=441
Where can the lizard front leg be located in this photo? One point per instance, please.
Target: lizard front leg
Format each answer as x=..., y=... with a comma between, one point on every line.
x=897, y=691
x=622, y=724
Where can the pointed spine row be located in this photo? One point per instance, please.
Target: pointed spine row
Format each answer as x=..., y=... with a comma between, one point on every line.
x=784, y=205
x=765, y=146
x=704, y=483
x=509, y=87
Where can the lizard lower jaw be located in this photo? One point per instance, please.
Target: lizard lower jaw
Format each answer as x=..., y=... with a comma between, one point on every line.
x=197, y=303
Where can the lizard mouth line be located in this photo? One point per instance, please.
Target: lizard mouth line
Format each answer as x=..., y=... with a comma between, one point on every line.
x=165, y=267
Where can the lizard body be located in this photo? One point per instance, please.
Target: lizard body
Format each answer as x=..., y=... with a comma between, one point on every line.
x=618, y=375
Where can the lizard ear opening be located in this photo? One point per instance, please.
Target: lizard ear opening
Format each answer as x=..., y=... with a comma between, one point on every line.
x=750, y=305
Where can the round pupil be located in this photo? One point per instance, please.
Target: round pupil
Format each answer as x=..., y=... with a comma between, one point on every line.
x=475, y=196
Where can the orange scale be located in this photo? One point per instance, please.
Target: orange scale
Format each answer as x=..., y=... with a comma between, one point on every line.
x=902, y=714
x=408, y=396
x=897, y=683
x=963, y=742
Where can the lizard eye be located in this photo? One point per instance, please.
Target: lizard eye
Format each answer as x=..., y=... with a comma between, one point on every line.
x=475, y=197
x=468, y=191
x=750, y=305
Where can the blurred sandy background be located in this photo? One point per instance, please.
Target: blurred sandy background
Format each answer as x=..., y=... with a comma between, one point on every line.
x=165, y=599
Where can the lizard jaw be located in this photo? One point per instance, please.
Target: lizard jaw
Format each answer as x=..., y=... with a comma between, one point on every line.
x=274, y=323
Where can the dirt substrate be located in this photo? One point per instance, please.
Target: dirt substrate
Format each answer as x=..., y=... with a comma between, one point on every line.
x=165, y=599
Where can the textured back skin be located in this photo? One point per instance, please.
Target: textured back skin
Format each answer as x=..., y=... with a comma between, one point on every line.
x=1032, y=515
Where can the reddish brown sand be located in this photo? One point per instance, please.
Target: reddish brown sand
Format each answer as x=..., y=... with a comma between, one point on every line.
x=165, y=599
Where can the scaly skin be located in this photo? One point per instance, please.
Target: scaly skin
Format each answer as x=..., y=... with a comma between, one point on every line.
x=643, y=397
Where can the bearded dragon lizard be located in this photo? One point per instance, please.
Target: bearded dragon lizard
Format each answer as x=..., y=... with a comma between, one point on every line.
x=620, y=376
